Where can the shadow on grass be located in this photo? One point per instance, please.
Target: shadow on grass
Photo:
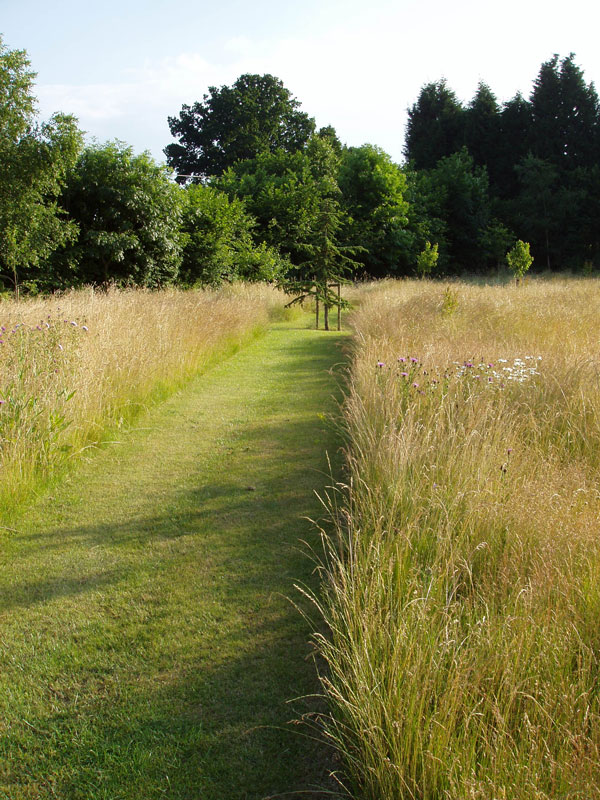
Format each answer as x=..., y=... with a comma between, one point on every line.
x=213, y=650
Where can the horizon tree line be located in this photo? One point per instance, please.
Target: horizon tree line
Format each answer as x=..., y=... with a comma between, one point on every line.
x=261, y=194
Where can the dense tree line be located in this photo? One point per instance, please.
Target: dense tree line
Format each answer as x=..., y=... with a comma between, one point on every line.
x=540, y=157
x=253, y=190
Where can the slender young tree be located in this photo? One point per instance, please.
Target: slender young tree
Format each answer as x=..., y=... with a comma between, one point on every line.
x=328, y=263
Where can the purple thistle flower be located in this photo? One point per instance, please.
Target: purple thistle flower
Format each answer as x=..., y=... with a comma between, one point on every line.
x=416, y=385
x=381, y=364
x=414, y=360
x=404, y=374
x=401, y=360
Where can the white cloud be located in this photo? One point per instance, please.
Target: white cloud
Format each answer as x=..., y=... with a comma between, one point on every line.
x=359, y=74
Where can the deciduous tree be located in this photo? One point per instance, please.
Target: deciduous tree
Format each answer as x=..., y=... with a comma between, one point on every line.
x=34, y=160
x=373, y=198
x=129, y=212
x=256, y=115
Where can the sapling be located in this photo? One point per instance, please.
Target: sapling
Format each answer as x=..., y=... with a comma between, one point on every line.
x=519, y=259
x=427, y=259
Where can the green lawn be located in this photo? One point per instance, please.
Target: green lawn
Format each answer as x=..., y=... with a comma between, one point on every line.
x=147, y=645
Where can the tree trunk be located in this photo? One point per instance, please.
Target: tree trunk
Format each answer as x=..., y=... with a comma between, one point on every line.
x=339, y=306
x=317, y=311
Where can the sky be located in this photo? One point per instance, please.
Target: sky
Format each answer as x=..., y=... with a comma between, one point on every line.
x=123, y=67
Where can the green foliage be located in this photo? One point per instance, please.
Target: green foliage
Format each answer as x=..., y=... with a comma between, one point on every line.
x=450, y=205
x=129, y=214
x=427, y=259
x=540, y=154
x=254, y=116
x=34, y=160
x=435, y=126
x=329, y=261
x=495, y=240
x=280, y=190
x=450, y=301
x=218, y=244
x=519, y=259
x=565, y=115
x=373, y=198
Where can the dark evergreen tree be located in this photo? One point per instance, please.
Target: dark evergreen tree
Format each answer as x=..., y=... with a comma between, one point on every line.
x=539, y=207
x=435, y=126
x=513, y=144
x=482, y=131
x=565, y=115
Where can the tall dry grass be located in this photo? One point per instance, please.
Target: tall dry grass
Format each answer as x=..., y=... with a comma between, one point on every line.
x=462, y=586
x=74, y=366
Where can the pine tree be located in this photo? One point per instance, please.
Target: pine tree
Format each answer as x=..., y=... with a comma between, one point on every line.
x=435, y=126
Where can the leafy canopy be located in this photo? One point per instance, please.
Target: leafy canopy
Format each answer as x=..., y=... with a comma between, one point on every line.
x=34, y=161
x=218, y=244
x=129, y=214
x=256, y=115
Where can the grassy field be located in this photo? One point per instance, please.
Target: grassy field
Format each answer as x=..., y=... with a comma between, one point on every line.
x=147, y=645
x=77, y=367
x=463, y=583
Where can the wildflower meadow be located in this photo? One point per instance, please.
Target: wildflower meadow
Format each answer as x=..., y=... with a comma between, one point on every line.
x=77, y=367
x=462, y=580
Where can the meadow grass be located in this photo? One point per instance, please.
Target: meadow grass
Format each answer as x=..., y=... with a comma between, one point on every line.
x=462, y=583
x=76, y=367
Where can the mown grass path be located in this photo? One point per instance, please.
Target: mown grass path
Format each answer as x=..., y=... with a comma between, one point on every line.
x=147, y=648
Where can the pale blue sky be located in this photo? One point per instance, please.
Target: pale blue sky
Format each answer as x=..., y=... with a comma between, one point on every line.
x=123, y=67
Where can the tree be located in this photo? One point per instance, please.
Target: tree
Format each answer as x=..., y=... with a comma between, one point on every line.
x=513, y=144
x=218, y=244
x=280, y=192
x=373, y=190
x=565, y=115
x=539, y=205
x=256, y=115
x=329, y=262
x=461, y=199
x=519, y=259
x=34, y=160
x=425, y=219
x=427, y=259
x=495, y=239
x=435, y=126
x=128, y=211
x=482, y=130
